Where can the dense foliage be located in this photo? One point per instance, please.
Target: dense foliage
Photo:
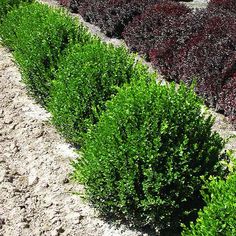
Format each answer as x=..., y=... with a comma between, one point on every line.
x=209, y=56
x=38, y=35
x=182, y=44
x=227, y=98
x=112, y=15
x=87, y=77
x=159, y=32
x=223, y=5
x=7, y=5
x=218, y=217
x=190, y=46
x=144, y=159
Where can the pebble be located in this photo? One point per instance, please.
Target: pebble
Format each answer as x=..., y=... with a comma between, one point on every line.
x=8, y=120
x=2, y=174
x=33, y=177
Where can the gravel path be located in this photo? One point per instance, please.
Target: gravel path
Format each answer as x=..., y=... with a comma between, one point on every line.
x=35, y=193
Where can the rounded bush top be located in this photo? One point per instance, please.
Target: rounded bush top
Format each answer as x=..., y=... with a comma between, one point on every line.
x=87, y=77
x=144, y=160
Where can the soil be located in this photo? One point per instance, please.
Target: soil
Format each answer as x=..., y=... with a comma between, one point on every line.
x=36, y=195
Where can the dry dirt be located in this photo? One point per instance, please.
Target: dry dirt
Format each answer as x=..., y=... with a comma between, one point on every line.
x=36, y=196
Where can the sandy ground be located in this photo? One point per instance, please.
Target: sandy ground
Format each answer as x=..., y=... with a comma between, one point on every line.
x=36, y=196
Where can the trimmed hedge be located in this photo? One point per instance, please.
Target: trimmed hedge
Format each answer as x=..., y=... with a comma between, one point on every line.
x=222, y=5
x=144, y=160
x=209, y=56
x=190, y=46
x=227, y=98
x=159, y=32
x=87, y=77
x=38, y=35
x=218, y=217
x=8, y=5
x=112, y=15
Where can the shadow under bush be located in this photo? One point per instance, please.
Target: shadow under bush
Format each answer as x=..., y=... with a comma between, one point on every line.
x=218, y=216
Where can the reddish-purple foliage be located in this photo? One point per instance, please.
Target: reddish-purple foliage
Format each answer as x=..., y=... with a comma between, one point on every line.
x=209, y=55
x=86, y=8
x=189, y=46
x=227, y=98
x=112, y=15
x=225, y=5
x=159, y=32
x=65, y=2
x=73, y=5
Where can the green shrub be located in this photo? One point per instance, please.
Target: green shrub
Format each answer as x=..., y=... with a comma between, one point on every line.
x=86, y=78
x=144, y=160
x=7, y=5
x=218, y=218
x=38, y=34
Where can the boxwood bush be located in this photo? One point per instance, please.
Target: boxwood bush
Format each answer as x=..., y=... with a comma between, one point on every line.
x=86, y=78
x=144, y=160
x=38, y=34
x=7, y=5
x=218, y=216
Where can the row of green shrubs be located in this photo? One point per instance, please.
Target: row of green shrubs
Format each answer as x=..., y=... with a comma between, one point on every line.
x=38, y=36
x=146, y=148
x=7, y=5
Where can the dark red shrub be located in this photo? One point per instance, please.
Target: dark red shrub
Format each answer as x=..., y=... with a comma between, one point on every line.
x=65, y=2
x=225, y=5
x=112, y=15
x=86, y=8
x=73, y=5
x=159, y=32
x=189, y=46
x=209, y=55
x=227, y=98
